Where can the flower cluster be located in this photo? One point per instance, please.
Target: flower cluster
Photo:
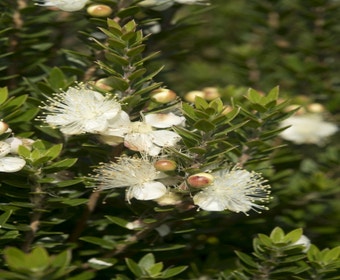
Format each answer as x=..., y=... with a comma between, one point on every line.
x=82, y=110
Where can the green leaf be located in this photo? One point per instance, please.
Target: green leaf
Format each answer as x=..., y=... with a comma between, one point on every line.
x=130, y=11
x=332, y=255
x=156, y=269
x=118, y=221
x=272, y=96
x=60, y=165
x=130, y=26
x=57, y=79
x=62, y=260
x=204, y=125
x=293, y=236
x=15, y=258
x=134, y=268
x=171, y=272
x=38, y=259
x=67, y=183
x=107, y=244
x=247, y=259
x=54, y=151
x=25, y=116
x=75, y=201
x=277, y=235
x=200, y=103
x=6, y=275
x=3, y=95
x=136, y=74
x=114, y=42
x=115, y=58
x=87, y=275
x=135, y=51
x=254, y=96
x=118, y=83
x=14, y=103
x=147, y=261
x=4, y=217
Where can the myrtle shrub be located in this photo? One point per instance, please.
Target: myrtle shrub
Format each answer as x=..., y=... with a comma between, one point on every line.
x=169, y=139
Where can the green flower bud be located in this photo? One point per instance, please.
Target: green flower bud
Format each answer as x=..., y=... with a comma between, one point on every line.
x=163, y=95
x=99, y=10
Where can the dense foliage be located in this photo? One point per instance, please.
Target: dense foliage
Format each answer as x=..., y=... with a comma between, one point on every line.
x=154, y=140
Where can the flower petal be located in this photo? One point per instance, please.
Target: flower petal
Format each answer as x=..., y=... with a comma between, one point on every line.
x=163, y=120
x=208, y=203
x=11, y=164
x=164, y=138
x=147, y=191
x=5, y=149
x=141, y=142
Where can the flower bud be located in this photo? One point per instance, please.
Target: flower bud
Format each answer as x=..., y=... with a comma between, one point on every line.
x=316, y=108
x=200, y=180
x=163, y=95
x=3, y=127
x=191, y=95
x=165, y=165
x=99, y=10
x=211, y=93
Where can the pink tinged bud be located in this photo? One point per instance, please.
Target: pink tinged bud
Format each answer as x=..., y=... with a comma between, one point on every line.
x=163, y=95
x=3, y=127
x=165, y=165
x=99, y=10
x=200, y=180
x=191, y=95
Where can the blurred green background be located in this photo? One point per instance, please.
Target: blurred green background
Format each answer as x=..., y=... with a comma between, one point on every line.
x=291, y=43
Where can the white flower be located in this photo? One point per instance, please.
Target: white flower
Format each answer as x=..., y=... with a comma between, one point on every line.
x=66, y=5
x=9, y=164
x=236, y=190
x=138, y=174
x=307, y=129
x=80, y=110
x=143, y=138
